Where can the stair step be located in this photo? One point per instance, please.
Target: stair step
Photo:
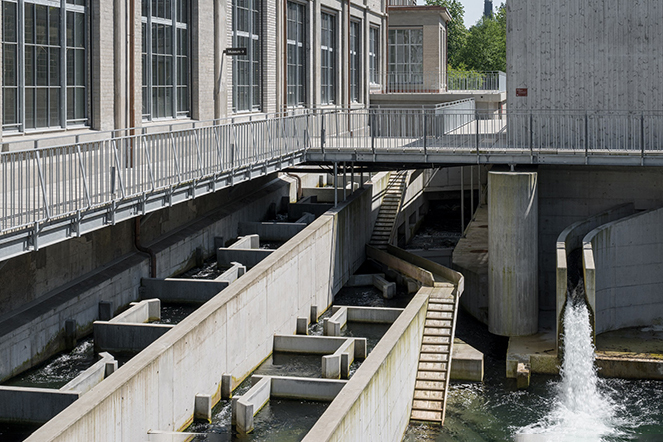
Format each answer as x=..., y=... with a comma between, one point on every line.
x=426, y=405
x=438, y=315
x=433, y=357
x=437, y=331
x=430, y=385
x=429, y=416
x=438, y=323
x=433, y=366
x=441, y=300
x=436, y=340
x=430, y=348
x=440, y=307
x=439, y=376
x=426, y=395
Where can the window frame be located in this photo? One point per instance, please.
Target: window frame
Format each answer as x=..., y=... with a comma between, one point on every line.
x=374, y=55
x=355, y=61
x=411, y=76
x=253, y=57
x=328, y=58
x=300, y=66
x=177, y=8
x=59, y=80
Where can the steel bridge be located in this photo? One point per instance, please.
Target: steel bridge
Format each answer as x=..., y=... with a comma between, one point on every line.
x=52, y=189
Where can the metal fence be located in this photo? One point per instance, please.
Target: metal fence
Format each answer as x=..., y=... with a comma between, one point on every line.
x=415, y=83
x=476, y=81
x=455, y=114
x=48, y=183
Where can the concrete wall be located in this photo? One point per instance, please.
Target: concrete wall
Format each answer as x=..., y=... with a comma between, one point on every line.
x=571, y=194
x=585, y=54
x=623, y=278
x=375, y=405
x=67, y=280
x=571, y=239
x=221, y=336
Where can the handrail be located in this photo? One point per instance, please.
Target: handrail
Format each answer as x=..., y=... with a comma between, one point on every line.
x=47, y=183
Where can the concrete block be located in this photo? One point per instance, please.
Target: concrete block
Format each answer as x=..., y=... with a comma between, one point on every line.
x=522, y=376
x=311, y=389
x=247, y=405
x=126, y=337
x=202, y=407
x=274, y=231
x=362, y=280
x=246, y=242
x=388, y=288
x=105, y=310
x=33, y=405
x=182, y=290
x=248, y=257
x=334, y=324
x=466, y=363
x=140, y=312
x=314, y=314
x=331, y=367
x=226, y=386
x=110, y=368
x=92, y=376
x=232, y=274
x=375, y=315
x=302, y=326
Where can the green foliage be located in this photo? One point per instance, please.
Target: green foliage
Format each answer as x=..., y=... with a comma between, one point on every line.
x=482, y=47
x=457, y=33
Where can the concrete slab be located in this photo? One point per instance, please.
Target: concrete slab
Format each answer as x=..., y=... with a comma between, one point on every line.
x=539, y=350
x=466, y=363
x=181, y=290
x=85, y=381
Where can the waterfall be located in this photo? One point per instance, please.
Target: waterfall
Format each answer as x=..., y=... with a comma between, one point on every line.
x=579, y=411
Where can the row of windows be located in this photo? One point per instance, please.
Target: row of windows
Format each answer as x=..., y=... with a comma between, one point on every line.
x=46, y=77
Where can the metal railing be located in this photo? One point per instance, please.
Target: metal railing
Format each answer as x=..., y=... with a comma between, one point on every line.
x=415, y=83
x=476, y=81
x=72, y=179
x=456, y=114
x=402, y=3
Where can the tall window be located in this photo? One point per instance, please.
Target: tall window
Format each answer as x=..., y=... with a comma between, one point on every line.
x=44, y=63
x=406, y=55
x=328, y=58
x=355, y=60
x=165, y=43
x=374, y=55
x=296, y=36
x=246, y=68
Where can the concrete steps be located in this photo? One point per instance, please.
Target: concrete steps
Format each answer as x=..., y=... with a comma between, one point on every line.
x=391, y=202
x=432, y=379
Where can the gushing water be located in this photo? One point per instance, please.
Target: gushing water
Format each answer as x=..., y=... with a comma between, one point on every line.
x=580, y=411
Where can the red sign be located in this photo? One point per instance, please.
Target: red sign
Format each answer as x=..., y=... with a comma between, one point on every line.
x=521, y=92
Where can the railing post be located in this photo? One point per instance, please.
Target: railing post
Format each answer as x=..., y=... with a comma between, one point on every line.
x=335, y=184
x=642, y=139
x=476, y=138
x=586, y=136
x=531, y=135
x=423, y=114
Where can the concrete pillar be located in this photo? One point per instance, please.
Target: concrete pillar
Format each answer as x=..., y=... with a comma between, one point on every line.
x=513, y=300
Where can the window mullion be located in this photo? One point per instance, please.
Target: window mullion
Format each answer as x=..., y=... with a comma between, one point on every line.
x=63, y=64
x=20, y=81
x=174, y=54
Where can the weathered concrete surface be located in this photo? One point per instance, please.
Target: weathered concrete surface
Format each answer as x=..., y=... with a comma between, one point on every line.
x=387, y=288
x=221, y=337
x=316, y=344
x=246, y=242
x=466, y=363
x=36, y=405
x=539, y=351
x=624, y=366
x=248, y=257
x=93, y=375
x=375, y=405
x=375, y=315
x=400, y=265
x=126, y=337
x=622, y=265
x=143, y=311
x=513, y=291
x=244, y=407
x=182, y=290
x=69, y=279
x=232, y=273
x=271, y=231
x=571, y=239
x=289, y=387
x=470, y=257
x=362, y=280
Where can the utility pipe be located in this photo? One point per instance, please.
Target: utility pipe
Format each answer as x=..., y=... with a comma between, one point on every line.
x=146, y=250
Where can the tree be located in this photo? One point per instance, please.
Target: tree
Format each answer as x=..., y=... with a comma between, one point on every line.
x=485, y=45
x=456, y=31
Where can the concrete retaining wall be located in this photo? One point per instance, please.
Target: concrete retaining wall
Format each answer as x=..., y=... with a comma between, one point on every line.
x=247, y=257
x=222, y=336
x=271, y=231
x=102, y=266
x=126, y=337
x=571, y=239
x=38, y=405
x=196, y=291
x=376, y=403
x=622, y=265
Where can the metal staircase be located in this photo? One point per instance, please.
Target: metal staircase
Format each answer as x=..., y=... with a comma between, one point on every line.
x=391, y=203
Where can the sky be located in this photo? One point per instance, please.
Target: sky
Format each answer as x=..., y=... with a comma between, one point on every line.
x=473, y=10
